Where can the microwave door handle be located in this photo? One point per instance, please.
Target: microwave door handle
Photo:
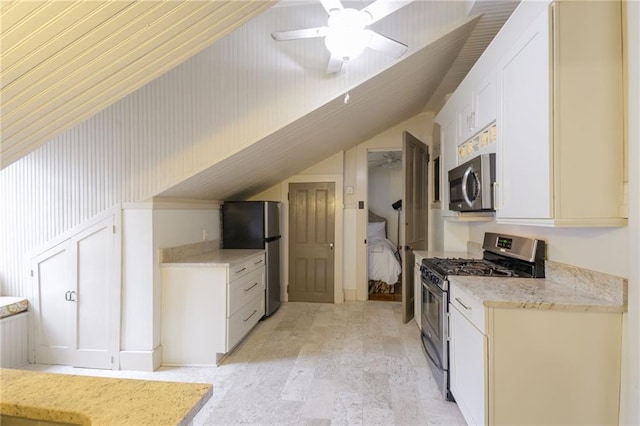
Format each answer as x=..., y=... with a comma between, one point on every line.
x=465, y=178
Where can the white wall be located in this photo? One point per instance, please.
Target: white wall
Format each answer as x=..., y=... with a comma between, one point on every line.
x=148, y=227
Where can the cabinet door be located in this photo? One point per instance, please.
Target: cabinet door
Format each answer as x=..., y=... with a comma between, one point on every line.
x=466, y=120
x=51, y=311
x=524, y=172
x=95, y=325
x=448, y=160
x=485, y=102
x=468, y=367
x=77, y=300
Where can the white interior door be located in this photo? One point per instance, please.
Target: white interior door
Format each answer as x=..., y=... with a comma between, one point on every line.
x=415, y=206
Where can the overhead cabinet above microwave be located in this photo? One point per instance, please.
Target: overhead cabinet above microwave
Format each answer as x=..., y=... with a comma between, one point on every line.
x=552, y=79
x=560, y=119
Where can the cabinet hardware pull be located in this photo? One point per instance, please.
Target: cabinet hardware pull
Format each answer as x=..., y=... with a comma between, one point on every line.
x=463, y=305
x=71, y=298
x=247, y=289
x=67, y=296
x=241, y=270
x=252, y=314
x=258, y=262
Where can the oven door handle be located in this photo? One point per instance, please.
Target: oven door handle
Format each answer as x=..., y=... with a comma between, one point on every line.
x=434, y=361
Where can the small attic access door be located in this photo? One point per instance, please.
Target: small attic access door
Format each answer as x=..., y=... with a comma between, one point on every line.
x=76, y=299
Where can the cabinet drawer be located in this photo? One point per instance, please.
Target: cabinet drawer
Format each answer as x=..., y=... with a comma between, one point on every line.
x=244, y=320
x=241, y=269
x=470, y=307
x=243, y=289
x=255, y=262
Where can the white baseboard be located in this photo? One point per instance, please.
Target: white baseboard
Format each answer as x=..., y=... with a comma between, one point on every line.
x=141, y=360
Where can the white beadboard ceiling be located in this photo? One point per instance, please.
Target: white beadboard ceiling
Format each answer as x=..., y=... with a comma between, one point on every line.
x=418, y=82
x=62, y=61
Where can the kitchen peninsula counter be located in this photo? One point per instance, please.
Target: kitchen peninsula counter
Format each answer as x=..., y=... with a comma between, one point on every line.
x=205, y=253
x=91, y=400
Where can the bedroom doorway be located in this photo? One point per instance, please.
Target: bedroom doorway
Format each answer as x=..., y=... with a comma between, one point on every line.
x=383, y=230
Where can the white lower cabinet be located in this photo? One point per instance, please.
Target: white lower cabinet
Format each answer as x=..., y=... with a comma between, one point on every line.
x=469, y=367
x=534, y=366
x=208, y=309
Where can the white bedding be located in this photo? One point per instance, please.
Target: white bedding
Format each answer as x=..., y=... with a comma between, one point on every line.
x=383, y=264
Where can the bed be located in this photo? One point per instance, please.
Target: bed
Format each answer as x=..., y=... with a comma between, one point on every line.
x=384, y=266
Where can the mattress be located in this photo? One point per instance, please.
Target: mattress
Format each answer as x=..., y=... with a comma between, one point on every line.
x=12, y=305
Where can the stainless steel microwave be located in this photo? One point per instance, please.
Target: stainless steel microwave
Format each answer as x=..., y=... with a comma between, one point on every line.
x=471, y=185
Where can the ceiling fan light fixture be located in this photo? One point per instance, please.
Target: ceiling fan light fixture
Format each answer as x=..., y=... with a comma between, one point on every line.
x=346, y=36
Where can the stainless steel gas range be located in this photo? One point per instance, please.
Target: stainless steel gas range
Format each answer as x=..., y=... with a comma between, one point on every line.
x=503, y=256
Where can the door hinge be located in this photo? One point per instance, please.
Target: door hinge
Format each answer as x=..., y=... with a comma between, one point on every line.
x=114, y=229
x=287, y=288
x=288, y=196
x=32, y=272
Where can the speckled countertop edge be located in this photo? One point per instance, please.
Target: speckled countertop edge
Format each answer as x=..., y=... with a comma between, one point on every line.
x=99, y=400
x=532, y=293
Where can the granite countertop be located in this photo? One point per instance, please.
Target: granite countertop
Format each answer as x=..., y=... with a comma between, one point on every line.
x=214, y=258
x=98, y=400
x=533, y=293
x=205, y=253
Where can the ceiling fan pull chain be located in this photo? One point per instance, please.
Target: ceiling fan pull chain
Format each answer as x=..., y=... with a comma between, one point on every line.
x=346, y=79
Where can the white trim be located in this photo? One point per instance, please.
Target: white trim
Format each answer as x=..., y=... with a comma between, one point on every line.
x=161, y=203
x=141, y=360
x=48, y=245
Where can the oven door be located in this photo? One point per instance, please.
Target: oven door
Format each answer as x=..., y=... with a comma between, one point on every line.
x=434, y=333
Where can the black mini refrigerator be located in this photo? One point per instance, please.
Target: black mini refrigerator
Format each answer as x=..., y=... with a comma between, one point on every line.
x=256, y=225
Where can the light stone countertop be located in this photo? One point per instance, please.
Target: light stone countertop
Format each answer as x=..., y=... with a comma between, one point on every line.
x=214, y=258
x=99, y=400
x=532, y=293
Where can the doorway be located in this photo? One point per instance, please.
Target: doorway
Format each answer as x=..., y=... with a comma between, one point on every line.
x=312, y=242
x=383, y=228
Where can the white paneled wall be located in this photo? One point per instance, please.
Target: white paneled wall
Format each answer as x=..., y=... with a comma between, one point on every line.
x=228, y=97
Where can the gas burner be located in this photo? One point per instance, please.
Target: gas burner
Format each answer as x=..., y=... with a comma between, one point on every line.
x=476, y=267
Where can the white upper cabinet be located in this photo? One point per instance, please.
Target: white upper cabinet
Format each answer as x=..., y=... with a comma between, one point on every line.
x=478, y=106
x=560, y=119
x=448, y=160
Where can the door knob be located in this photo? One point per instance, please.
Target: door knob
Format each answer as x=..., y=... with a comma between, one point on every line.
x=331, y=246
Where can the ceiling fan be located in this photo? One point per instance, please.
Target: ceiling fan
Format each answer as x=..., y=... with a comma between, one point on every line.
x=386, y=160
x=346, y=34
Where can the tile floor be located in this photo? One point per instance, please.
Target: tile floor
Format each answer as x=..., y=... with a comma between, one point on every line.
x=317, y=364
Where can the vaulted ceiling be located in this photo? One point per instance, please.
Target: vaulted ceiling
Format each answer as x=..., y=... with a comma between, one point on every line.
x=63, y=61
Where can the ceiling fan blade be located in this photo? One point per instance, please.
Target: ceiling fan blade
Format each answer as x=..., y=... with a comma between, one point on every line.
x=330, y=5
x=296, y=34
x=381, y=8
x=386, y=45
x=335, y=64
